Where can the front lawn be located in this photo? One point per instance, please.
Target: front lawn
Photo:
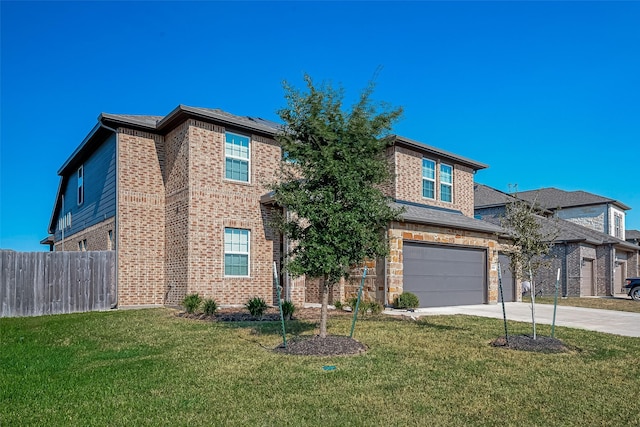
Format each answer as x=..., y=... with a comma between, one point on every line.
x=605, y=303
x=149, y=367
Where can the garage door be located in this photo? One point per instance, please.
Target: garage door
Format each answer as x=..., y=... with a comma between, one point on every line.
x=586, y=278
x=508, y=284
x=442, y=276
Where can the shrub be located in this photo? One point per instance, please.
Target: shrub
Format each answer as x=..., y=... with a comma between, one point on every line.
x=375, y=307
x=287, y=309
x=406, y=300
x=210, y=307
x=256, y=306
x=192, y=303
x=338, y=305
x=351, y=302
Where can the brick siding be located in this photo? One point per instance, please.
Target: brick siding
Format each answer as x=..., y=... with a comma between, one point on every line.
x=408, y=181
x=141, y=215
x=97, y=237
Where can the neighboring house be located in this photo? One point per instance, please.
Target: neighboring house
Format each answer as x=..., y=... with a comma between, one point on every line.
x=589, y=210
x=183, y=200
x=632, y=236
x=592, y=263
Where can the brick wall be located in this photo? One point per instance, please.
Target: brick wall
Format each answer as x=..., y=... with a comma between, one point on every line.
x=176, y=221
x=408, y=181
x=141, y=214
x=216, y=203
x=96, y=236
x=604, y=267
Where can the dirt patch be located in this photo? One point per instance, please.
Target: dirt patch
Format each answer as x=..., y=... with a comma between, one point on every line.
x=527, y=343
x=332, y=345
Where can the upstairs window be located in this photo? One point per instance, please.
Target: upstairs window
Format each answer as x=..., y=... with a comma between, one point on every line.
x=446, y=183
x=617, y=221
x=80, y=185
x=236, y=151
x=428, y=179
x=236, y=252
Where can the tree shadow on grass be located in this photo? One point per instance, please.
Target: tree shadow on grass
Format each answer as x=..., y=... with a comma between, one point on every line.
x=272, y=327
x=427, y=323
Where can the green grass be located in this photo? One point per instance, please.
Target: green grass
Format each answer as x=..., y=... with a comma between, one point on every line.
x=604, y=303
x=148, y=367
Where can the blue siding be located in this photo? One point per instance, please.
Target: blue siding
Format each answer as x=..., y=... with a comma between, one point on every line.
x=99, y=190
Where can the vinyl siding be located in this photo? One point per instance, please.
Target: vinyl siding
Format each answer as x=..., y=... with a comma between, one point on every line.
x=99, y=191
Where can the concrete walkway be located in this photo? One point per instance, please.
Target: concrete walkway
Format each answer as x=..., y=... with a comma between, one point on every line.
x=608, y=321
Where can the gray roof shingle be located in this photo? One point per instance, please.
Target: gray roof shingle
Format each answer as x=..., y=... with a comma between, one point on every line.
x=485, y=196
x=553, y=198
x=423, y=214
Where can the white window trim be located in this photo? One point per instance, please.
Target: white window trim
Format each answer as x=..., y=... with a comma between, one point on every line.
x=433, y=180
x=248, y=253
x=231, y=156
x=445, y=183
x=80, y=189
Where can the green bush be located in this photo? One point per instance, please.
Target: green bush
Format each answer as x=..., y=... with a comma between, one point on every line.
x=351, y=302
x=256, y=306
x=374, y=307
x=338, y=305
x=210, y=307
x=192, y=303
x=406, y=300
x=288, y=309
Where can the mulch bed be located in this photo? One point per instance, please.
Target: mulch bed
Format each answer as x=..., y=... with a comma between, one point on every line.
x=332, y=345
x=527, y=343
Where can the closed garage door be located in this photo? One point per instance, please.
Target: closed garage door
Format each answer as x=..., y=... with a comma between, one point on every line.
x=508, y=284
x=442, y=276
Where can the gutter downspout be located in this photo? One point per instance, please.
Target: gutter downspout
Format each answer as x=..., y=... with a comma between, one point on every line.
x=115, y=220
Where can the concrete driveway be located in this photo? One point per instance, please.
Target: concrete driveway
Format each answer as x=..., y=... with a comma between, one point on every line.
x=608, y=321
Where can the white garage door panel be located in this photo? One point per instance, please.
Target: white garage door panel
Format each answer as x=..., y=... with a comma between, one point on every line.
x=442, y=275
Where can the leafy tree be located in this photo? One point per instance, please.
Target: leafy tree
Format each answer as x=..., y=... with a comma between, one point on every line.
x=334, y=164
x=531, y=244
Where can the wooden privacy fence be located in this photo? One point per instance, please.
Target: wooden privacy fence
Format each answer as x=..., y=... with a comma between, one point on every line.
x=37, y=283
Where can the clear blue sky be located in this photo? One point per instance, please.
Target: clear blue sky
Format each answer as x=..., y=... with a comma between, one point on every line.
x=546, y=93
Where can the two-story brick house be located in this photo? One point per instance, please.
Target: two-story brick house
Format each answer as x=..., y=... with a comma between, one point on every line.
x=183, y=200
x=592, y=262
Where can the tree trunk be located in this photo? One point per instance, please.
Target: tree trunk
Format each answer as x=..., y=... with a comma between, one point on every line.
x=326, y=287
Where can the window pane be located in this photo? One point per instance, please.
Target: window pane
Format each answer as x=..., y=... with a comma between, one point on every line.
x=445, y=192
x=237, y=170
x=236, y=265
x=428, y=169
x=428, y=189
x=446, y=174
x=237, y=145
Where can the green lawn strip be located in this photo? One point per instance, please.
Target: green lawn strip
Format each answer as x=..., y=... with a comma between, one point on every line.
x=618, y=304
x=148, y=367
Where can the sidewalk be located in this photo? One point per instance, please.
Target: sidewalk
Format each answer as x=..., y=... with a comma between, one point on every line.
x=608, y=321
